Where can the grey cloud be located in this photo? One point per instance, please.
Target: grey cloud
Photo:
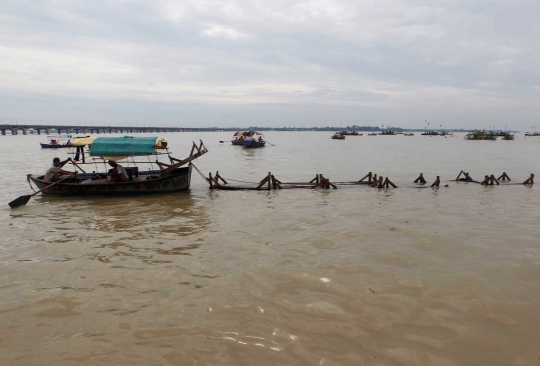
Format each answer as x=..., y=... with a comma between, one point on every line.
x=386, y=59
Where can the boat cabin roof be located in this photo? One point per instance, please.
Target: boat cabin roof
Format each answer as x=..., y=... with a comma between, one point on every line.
x=121, y=146
x=247, y=133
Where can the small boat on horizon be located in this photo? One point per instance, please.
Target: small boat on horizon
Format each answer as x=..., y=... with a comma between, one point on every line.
x=338, y=136
x=57, y=142
x=251, y=141
x=238, y=138
x=481, y=135
x=350, y=133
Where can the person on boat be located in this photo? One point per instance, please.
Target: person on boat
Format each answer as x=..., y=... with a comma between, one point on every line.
x=260, y=139
x=118, y=173
x=55, y=172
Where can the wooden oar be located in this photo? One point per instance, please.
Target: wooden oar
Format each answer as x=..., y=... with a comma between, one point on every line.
x=74, y=163
x=270, y=143
x=23, y=200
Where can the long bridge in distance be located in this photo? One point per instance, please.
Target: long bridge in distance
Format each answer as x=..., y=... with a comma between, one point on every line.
x=26, y=129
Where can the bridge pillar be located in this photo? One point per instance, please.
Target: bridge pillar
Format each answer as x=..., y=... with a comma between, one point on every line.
x=14, y=131
x=25, y=131
x=3, y=131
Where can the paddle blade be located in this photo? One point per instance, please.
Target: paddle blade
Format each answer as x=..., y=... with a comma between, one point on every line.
x=21, y=201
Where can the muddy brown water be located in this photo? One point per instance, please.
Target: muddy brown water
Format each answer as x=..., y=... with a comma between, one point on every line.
x=353, y=276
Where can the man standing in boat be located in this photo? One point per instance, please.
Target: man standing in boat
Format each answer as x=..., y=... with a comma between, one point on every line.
x=118, y=173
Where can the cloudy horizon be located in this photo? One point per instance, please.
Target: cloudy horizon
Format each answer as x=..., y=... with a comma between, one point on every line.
x=458, y=64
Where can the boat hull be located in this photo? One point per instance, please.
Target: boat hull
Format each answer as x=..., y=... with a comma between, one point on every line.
x=251, y=144
x=58, y=146
x=237, y=142
x=177, y=180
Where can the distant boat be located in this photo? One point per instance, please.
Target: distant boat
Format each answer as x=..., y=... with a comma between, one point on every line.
x=431, y=133
x=252, y=141
x=535, y=134
x=338, y=136
x=408, y=134
x=57, y=142
x=238, y=138
x=372, y=134
x=388, y=133
x=350, y=133
x=481, y=135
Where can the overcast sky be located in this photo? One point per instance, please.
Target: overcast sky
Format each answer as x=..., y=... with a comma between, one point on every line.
x=455, y=63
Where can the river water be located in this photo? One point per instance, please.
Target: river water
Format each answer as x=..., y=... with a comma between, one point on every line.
x=353, y=276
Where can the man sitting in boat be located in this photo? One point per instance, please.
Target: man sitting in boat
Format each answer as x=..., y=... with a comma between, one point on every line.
x=118, y=173
x=55, y=172
x=64, y=162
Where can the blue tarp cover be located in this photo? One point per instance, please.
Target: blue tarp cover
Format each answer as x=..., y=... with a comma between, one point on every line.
x=123, y=146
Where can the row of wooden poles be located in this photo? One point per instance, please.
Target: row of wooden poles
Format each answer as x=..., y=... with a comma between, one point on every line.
x=490, y=180
x=270, y=182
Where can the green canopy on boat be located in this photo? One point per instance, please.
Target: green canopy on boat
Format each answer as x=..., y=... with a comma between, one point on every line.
x=126, y=146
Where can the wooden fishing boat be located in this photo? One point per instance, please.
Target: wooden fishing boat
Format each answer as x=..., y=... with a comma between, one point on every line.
x=388, y=133
x=238, y=138
x=251, y=140
x=350, y=133
x=431, y=133
x=408, y=134
x=57, y=142
x=167, y=177
x=338, y=136
x=372, y=134
x=254, y=143
x=481, y=135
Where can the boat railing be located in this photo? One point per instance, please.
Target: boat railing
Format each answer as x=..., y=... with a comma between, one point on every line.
x=130, y=164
